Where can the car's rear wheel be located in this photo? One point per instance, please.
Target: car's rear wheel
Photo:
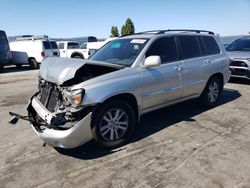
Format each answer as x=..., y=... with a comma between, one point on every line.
x=33, y=63
x=211, y=94
x=78, y=57
x=113, y=124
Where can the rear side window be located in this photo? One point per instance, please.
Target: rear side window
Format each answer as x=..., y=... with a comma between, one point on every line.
x=53, y=45
x=61, y=46
x=165, y=48
x=211, y=45
x=189, y=47
x=73, y=45
x=46, y=45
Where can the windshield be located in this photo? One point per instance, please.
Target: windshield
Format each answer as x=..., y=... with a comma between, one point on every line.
x=239, y=45
x=121, y=51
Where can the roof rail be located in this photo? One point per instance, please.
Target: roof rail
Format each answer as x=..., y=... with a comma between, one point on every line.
x=157, y=32
x=30, y=37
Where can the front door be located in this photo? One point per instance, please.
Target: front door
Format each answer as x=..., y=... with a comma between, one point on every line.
x=162, y=84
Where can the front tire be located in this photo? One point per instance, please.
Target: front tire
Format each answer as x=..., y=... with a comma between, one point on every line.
x=211, y=94
x=113, y=124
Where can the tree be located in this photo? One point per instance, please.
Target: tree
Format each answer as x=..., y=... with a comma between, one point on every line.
x=128, y=28
x=114, y=32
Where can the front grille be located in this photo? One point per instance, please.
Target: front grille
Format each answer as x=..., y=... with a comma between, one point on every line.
x=240, y=72
x=238, y=64
x=49, y=96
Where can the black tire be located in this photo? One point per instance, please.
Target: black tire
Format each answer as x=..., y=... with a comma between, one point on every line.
x=77, y=57
x=33, y=63
x=98, y=119
x=212, y=92
x=18, y=65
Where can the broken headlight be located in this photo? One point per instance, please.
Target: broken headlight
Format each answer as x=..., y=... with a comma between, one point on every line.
x=74, y=97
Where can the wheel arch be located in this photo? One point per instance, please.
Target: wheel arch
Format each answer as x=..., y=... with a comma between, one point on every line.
x=127, y=97
x=218, y=75
x=77, y=54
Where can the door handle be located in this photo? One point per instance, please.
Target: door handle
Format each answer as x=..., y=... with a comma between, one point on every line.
x=178, y=68
x=207, y=61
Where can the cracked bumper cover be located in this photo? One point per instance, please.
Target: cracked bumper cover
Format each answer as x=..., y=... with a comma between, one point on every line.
x=73, y=137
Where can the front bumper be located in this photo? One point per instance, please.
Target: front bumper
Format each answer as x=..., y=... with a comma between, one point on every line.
x=240, y=72
x=73, y=137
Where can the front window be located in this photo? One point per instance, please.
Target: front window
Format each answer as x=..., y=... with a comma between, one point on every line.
x=239, y=45
x=121, y=51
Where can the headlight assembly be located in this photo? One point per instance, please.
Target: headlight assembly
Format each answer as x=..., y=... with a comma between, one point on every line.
x=75, y=97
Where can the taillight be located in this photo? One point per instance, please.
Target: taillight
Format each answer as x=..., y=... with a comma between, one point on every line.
x=42, y=54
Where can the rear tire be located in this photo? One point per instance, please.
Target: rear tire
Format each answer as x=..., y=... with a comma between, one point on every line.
x=78, y=57
x=33, y=63
x=113, y=124
x=211, y=94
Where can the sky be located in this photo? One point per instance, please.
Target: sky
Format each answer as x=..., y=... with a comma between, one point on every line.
x=79, y=18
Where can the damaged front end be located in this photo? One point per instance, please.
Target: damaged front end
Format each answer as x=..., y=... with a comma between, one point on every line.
x=56, y=112
x=58, y=117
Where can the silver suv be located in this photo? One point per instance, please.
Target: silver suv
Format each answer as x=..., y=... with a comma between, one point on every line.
x=239, y=54
x=103, y=98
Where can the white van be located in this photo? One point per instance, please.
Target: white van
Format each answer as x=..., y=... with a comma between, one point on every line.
x=32, y=50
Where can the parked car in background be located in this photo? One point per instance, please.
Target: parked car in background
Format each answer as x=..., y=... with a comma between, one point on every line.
x=72, y=49
x=5, y=54
x=103, y=98
x=92, y=47
x=239, y=54
x=31, y=49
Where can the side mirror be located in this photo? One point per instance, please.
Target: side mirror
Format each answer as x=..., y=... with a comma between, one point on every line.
x=152, y=61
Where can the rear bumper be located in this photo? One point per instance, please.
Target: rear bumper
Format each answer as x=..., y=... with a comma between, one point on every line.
x=73, y=137
x=240, y=72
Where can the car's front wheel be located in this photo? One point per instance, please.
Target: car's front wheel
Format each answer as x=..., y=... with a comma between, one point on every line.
x=212, y=92
x=113, y=124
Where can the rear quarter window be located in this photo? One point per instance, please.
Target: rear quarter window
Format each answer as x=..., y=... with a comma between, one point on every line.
x=46, y=45
x=211, y=45
x=189, y=47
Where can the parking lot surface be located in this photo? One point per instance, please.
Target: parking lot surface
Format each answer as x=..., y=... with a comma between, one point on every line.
x=184, y=145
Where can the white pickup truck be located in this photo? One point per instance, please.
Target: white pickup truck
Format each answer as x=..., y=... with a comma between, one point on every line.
x=72, y=49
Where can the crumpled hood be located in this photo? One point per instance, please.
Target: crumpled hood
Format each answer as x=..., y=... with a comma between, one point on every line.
x=58, y=70
x=238, y=55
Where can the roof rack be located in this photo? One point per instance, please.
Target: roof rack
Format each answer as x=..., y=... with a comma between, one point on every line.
x=157, y=32
x=30, y=37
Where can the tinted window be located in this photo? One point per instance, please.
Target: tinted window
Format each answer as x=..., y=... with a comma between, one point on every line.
x=92, y=39
x=61, y=46
x=239, y=45
x=54, y=45
x=202, y=46
x=73, y=45
x=4, y=45
x=165, y=48
x=46, y=45
x=189, y=46
x=211, y=45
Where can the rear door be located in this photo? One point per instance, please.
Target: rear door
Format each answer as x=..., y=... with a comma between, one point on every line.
x=62, y=47
x=162, y=84
x=195, y=64
x=47, y=49
x=54, y=48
